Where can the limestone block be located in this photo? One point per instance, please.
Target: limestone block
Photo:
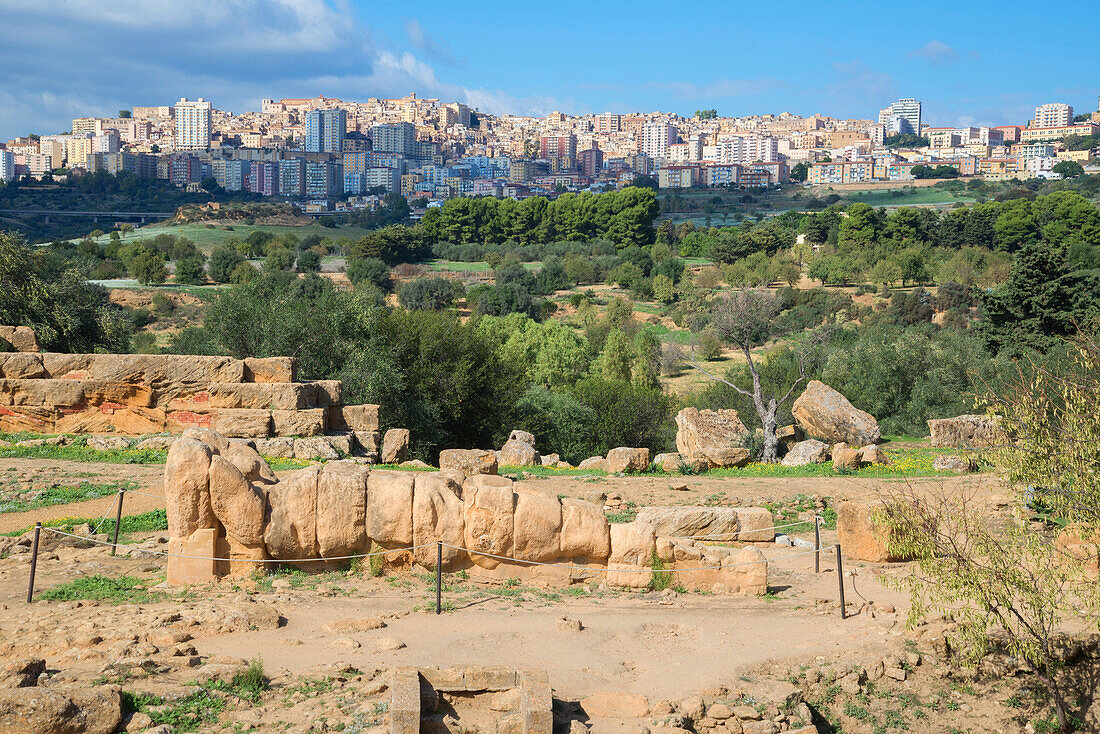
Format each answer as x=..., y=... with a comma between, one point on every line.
x=390, y=508
x=265, y=396
x=755, y=525
x=668, y=462
x=314, y=448
x=368, y=440
x=329, y=393
x=825, y=414
x=186, y=487
x=519, y=453
x=535, y=701
x=404, y=704
x=623, y=459
x=806, y=452
x=238, y=505
x=597, y=463
x=550, y=460
x=249, y=462
x=437, y=514
x=726, y=457
x=29, y=418
x=213, y=439
x=862, y=536
x=468, y=461
x=280, y=447
x=536, y=526
x=21, y=338
x=632, y=546
x=395, y=446
x=112, y=418
x=201, y=568
x=690, y=522
x=98, y=392
x=309, y=422
x=699, y=430
x=21, y=366
x=342, y=509
x=291, y=528
x=488, y=504
x=584, y=530
x=242, y=423
x=58, y=393
x=270, y=369
x=966, y=431
x=746, y=572
x=355, y=417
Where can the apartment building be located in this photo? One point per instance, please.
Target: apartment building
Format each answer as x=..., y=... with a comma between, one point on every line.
x=139, y=164
x=841, y=172
x=7, y=166
x=326, y=130
x=902, y=117
x=590, y=162
x=679, y=177
x=1057, y=114
x=558, y=146
x=397, y=138
x=263, y=178
x=292, y=177
x=323, y=179
x=608, y=123
x=654, y=138
x=1039, y=134
x=193, y=124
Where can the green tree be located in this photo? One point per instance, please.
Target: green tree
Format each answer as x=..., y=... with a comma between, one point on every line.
x=189, y=271
x=1068, y=169
x=223, y=261
x=147, y=266
x=427, y=294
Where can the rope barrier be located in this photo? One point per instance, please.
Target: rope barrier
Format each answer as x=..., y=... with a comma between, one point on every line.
x=144, y=494
x=739, y=532
x=107, y=514
x=136, y=549
x=424, y=545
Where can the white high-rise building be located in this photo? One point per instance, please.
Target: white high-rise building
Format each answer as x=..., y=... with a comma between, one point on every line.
x=7, y=166
x=902, y=117
x=655, y=137
x=743, y=149
x=193, y=123
x=1057, y=114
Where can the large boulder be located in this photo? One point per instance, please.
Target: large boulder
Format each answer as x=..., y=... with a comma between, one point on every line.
x=700, y=430
x=726, y=457
x=623, y=459
x=60, y=710
x=390, y=508
x=468, y=461
x=966, y=431
x=633, y=545
x=488, y=509
x=395, y=446
x=186, y=487
x=597, y=463
x=239, y=506
x=824, y=413
x=342, y=509
x=537, y=526
x=291, y=528
x=20, y=338
x=519, y=453
x=249, y=462
x=688, y=522
x=862, y=534
x=437, y=514
x=584, y=530
x=242, y=422
x=810, y=451
x=522, y=437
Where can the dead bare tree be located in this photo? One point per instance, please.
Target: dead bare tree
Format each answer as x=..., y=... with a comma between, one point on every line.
x=745, y=318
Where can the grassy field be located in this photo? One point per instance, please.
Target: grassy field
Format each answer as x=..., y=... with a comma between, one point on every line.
x=206, y=237
x=905, y=197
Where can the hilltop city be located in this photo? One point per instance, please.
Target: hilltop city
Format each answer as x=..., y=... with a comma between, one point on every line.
x=329, y=154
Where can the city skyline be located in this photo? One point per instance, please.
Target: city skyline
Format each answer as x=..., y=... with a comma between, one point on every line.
x=504, y=58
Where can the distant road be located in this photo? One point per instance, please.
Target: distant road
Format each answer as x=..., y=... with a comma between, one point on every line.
x=57, y=213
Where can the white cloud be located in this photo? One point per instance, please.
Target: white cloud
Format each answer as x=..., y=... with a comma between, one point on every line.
x=93, y=57
x=936, y=52
x=428, y=45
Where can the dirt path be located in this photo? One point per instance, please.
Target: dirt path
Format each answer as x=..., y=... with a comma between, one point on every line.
x=148, y=478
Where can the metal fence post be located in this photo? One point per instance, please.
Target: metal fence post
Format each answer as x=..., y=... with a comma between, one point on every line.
x=34, y=560
x=439, y=577
x=118, y=520
x=840, y=580
x=817, y=544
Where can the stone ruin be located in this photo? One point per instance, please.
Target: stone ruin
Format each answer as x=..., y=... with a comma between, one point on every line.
x=137, y=394
x=223, y=501
x=483, y=698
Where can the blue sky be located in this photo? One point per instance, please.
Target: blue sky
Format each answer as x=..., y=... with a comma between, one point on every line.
x=978, y=62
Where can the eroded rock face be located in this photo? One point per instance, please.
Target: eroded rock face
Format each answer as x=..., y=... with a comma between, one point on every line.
x=625, y=459
x=186, y=487
x=633, y=545
x=437, y=514
x=519, y=453
x=824, y=413
x=488, y=521
x=291, y=530
x=584, y=530
x=60, y=710
x=342, y=509
x=468, y=461
x=395, y=446
x=806, y=452
x=537, y=526
x=390, y=508
x=862, y=535
x=237, y=504
x=966, y=431
x=700, y=430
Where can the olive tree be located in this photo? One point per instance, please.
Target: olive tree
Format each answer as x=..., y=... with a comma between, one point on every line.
x=747, y=318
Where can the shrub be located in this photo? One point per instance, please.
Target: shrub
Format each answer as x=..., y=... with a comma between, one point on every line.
x=627, y=415
x=426, y=294
x=369, y=270
x=708, y=346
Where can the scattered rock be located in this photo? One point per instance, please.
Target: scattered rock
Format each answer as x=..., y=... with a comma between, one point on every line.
x=395, y=446
x=827, y=415
x=806, y=452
